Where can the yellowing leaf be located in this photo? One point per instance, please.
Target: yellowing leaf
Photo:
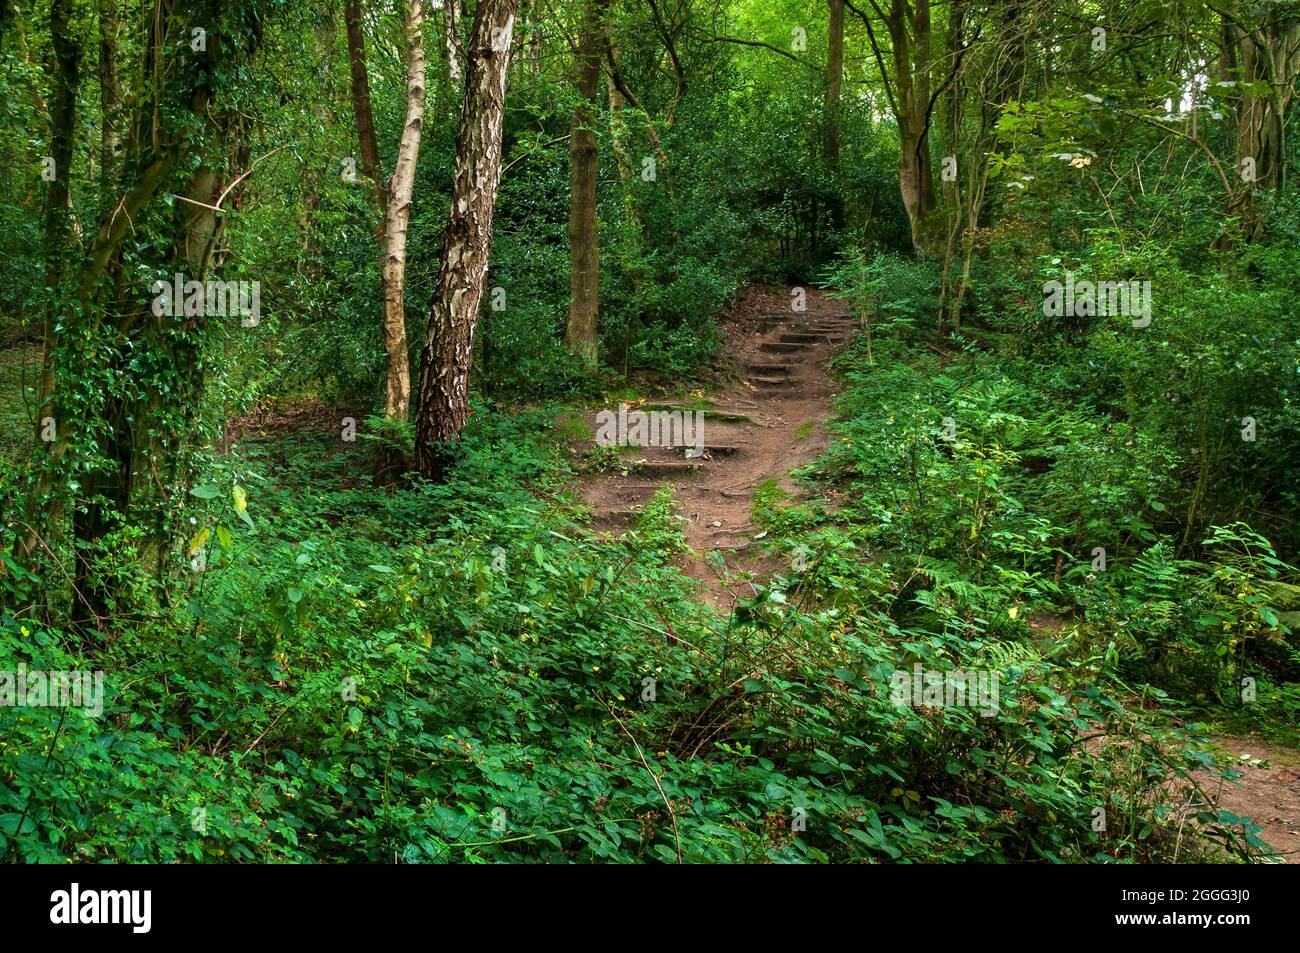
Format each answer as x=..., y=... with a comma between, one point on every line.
x=240, y=497
x=1014, y=612
x=198, y=539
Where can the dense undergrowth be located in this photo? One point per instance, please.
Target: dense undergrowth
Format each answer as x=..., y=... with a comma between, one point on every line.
x=462, y=673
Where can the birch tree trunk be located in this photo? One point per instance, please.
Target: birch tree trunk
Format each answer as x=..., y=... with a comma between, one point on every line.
x=398, y=394
x=451, y=36
x=448, y=348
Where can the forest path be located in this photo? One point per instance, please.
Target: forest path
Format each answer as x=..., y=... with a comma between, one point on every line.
x=766, y=419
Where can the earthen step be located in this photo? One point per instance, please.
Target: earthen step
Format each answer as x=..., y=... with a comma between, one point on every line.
x=712, y=450
x=768, y=368
x=735, y=541
x=618, y=517
x=770, y=382
x=796, y=338
x=667, y=468
x=782, y=347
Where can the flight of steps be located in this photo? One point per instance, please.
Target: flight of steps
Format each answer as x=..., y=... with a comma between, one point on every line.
x=793, y=340
x=773, y=365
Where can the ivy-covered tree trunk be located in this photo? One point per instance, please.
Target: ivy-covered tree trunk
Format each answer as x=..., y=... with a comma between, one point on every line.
x=58, y=228
x=1262, y=52
x=449, y=345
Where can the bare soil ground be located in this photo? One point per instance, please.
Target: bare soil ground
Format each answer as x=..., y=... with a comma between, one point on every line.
x=1268, y=792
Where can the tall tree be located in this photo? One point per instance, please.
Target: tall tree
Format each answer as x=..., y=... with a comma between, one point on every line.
x=584, y=239
x=110, y=96
x=462, y=267
x=1261, y=50
x=834, y=83
x=451, y=36
x=908, y=85
x=398, y=394
x=393, y=197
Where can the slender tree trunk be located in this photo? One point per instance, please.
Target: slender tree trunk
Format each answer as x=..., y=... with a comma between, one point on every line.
x=584, y=239
x=451, y=36
x=398, y=393
x=448, y=349
x=110, y=97
x=834, y=82
x=361, y=110
x=63, y=121
x=57, y=223
x=907, y=87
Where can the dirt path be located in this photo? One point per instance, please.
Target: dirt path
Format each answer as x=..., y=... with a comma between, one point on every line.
x=766, y=420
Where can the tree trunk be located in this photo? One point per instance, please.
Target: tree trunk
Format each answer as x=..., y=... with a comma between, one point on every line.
x=834, y=82
x=63, y=121
x=907, y=87
x=584, y=239
x=110, y=98
x=448, y=349
x=397, y=397
x=1267, y=54
x=912, y=81
x=361, y=110
x=451, y=35
x=57, y=223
